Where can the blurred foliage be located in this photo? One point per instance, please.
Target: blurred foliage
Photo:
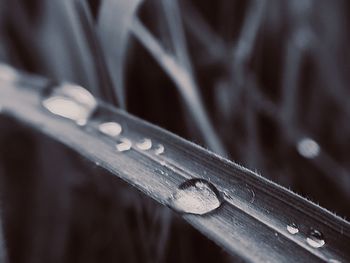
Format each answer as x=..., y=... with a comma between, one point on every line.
x=248, y=79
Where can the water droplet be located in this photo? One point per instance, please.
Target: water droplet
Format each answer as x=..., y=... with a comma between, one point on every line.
x=123, y=145
x=308, y=148
x=161, y=171
x=159, y=150
x=315, y=239
x=112, y=129
x=293, y=229
x=144, y=145
x=334, y=261
x=70, y=101
x=195, y=196
x=7, y=73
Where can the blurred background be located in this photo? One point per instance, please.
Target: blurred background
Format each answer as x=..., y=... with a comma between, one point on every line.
x=263, y=83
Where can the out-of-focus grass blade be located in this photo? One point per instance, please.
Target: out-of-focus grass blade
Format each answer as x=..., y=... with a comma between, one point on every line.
x=185, y=83
x=105, y=88
x=114, y=20
x=55, y=43
x=255, y=219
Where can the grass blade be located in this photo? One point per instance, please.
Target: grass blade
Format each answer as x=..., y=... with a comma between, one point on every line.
x=114, y=20
x=253, y=218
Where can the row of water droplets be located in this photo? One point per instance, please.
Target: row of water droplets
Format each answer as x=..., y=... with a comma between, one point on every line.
x=315, y=238
x=194, y=196
x=77, y=104
x=73, y=102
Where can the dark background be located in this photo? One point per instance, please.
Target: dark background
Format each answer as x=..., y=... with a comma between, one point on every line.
x=263, y=90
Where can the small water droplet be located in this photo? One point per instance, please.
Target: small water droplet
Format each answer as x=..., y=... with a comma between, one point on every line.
x=159, y=150
x=292, y=229
x=81, y=122
x=70, y=101
x=195, y=196
x=112, y=129
x=308, y=148
x=161, y=171
x=315, y=239
x=123, y=145
x=144, y=145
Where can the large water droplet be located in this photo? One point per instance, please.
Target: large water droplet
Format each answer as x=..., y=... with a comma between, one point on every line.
x=315, y=239
x=159, y=150
x=70, y=101
x=112, y=129
x=308, y=148
x=144, y=145
x=292, y=229
x=195, y=196
x=123, y=145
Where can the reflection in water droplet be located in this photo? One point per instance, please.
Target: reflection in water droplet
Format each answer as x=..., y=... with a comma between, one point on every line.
x=7, y=73
x=124, y=145
x=315, y=239
x=161, y=171
x=70, y=101
x=308, y=148
x=195, y=196
x=159, y=150
x=81, y=122
x=144, y=145
x=112, y=129
x=292, y=229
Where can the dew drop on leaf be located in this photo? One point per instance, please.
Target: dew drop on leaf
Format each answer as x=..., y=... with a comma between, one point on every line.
x=145, y=144
x=123, y=145
x=70, y=101
x=159, y=150
x=315, y=239
x=308, y=148
x=292, y=229
x=195, y=196
x=112, y=129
